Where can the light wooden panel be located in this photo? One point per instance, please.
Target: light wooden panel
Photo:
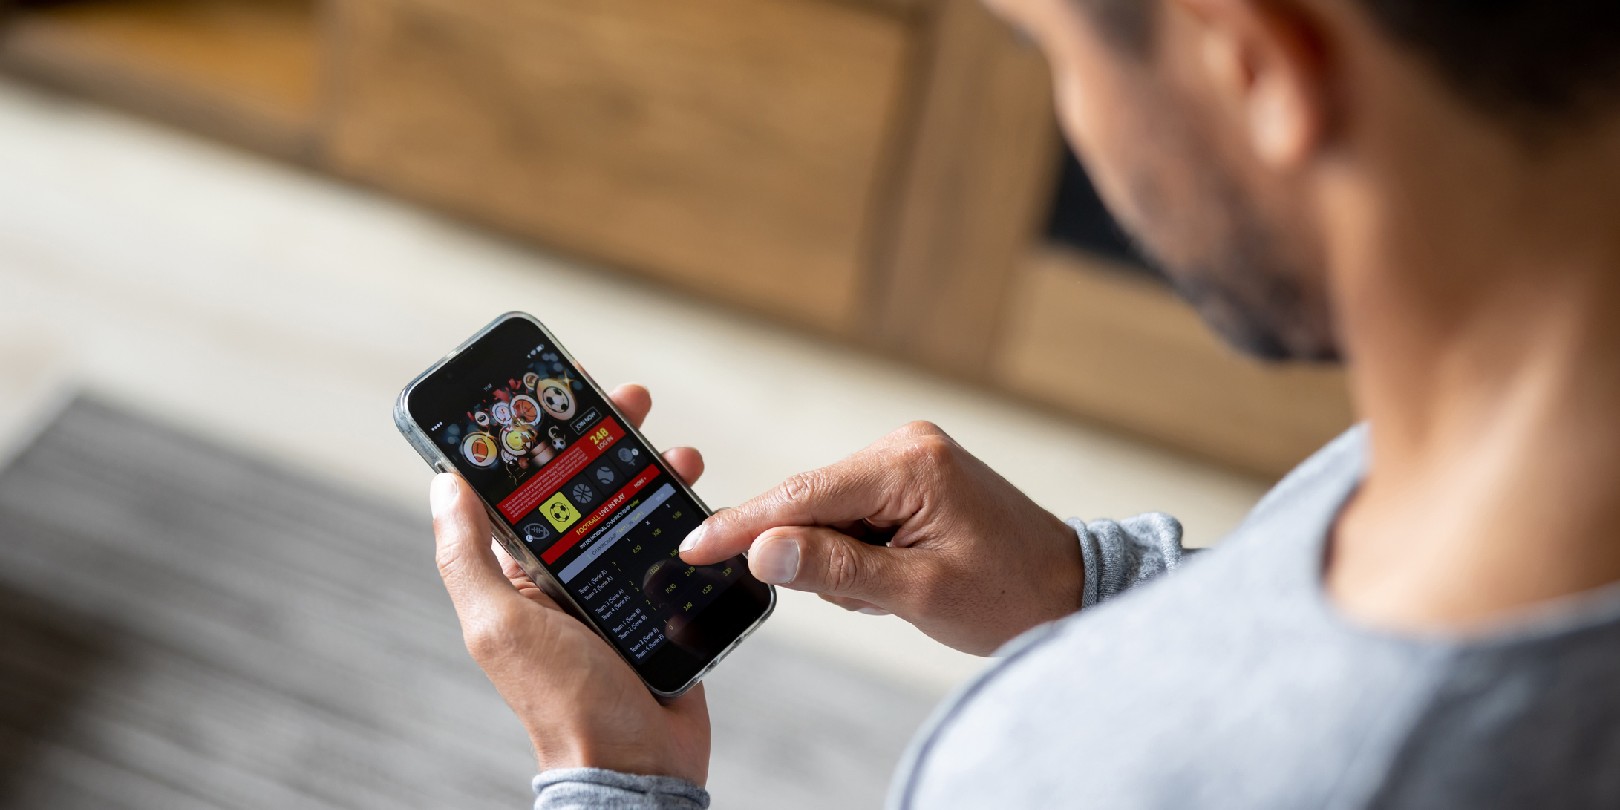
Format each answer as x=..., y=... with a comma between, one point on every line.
x=1100, y=342
x=975, y=183
x=899, y=7
x=244, y=71
x=732, y=146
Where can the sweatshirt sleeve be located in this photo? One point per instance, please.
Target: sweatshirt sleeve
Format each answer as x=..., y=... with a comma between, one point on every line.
x=1118, y=555
x=1122, y=554
x=597, y=789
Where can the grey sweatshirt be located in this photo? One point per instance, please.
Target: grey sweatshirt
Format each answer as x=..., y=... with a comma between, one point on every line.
x=1235, y=684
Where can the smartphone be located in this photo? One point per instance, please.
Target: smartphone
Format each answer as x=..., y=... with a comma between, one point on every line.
x=581, y=500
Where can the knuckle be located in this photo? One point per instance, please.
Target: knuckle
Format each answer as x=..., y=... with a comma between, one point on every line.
x=843, y=568
x=484, y=642
x=918, y=429
x=490, y=638
x=931, y=450
x=801, y=488
x=449, y=559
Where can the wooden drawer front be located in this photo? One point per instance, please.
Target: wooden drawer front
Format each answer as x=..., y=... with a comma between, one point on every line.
x=1121, y=349
x=732, y=146
x=245, y=72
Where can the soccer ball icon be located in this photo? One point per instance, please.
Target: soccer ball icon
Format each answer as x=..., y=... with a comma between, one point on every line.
x=556, y=399
x=560, y=512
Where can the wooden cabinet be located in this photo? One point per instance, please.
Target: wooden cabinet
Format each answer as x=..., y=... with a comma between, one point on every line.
x=878, y=171
x=736, y=147
x=1112, y=345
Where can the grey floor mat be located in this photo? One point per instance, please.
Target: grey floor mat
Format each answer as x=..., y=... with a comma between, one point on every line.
x=182, y=626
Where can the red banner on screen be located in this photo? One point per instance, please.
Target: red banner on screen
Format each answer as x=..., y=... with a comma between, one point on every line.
x=568, y=464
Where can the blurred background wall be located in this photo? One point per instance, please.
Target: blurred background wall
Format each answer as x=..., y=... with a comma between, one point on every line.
x=885, y=173
x=231, y=229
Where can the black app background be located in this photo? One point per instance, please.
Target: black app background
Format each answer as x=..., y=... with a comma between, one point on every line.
x=625, y=571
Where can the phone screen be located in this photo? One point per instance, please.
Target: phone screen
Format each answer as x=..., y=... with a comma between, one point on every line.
x=594, y=504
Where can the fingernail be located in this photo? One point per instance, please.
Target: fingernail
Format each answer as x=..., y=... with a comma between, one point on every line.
x=872, y=611
x=693, y=538
x=775, y=559
x=443, y=493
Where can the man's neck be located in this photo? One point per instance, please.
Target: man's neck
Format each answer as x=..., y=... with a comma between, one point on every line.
x=1485, y=350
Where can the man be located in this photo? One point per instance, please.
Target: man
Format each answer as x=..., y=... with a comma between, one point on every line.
x=1424, y=615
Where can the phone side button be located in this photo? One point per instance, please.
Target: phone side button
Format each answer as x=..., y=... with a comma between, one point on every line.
x=443, y=465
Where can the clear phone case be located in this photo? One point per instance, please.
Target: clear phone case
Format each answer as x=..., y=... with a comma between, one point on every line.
x=419, y=439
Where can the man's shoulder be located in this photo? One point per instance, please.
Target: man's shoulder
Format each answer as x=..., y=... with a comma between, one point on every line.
x=1185, y=695
x=1150, y=682
x=1343, y=459
x=1211, y=687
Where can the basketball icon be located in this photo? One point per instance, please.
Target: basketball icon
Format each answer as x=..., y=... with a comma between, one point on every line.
x=525, y=410
x=583, y=493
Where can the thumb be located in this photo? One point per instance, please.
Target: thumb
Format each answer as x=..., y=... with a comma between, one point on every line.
x=827, y=562
x=461, y=532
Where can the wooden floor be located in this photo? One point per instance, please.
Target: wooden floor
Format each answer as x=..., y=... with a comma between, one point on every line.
x=184, y=627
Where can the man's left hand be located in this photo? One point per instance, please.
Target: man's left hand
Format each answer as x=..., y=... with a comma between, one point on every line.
x=582, y=705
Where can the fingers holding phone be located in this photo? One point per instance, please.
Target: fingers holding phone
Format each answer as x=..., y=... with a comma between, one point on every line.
x=551, y=669
x=582, y=503
x=582, y=605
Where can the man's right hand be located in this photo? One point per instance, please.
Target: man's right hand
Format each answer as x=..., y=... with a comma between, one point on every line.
x=971, y=561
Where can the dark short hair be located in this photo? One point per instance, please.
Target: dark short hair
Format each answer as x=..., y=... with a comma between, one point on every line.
x=1535, y=61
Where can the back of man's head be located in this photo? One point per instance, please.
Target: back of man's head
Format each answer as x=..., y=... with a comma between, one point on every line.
x=1251, y=146
x=1533, y=62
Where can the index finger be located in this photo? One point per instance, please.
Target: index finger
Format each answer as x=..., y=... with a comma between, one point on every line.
x=634, y=401
x=853, y=489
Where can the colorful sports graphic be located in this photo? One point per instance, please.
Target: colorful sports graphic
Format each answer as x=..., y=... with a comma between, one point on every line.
x=559, y=512
x=522, y=425
x=556, y=398
x=481, y=450
x=586, y=497
x=518, y=440
x=525, y=410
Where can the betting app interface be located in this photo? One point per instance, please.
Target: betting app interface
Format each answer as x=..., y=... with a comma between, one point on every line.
x=586, y=497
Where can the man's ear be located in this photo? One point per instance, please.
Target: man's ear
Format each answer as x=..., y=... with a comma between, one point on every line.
x=1265, y=62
